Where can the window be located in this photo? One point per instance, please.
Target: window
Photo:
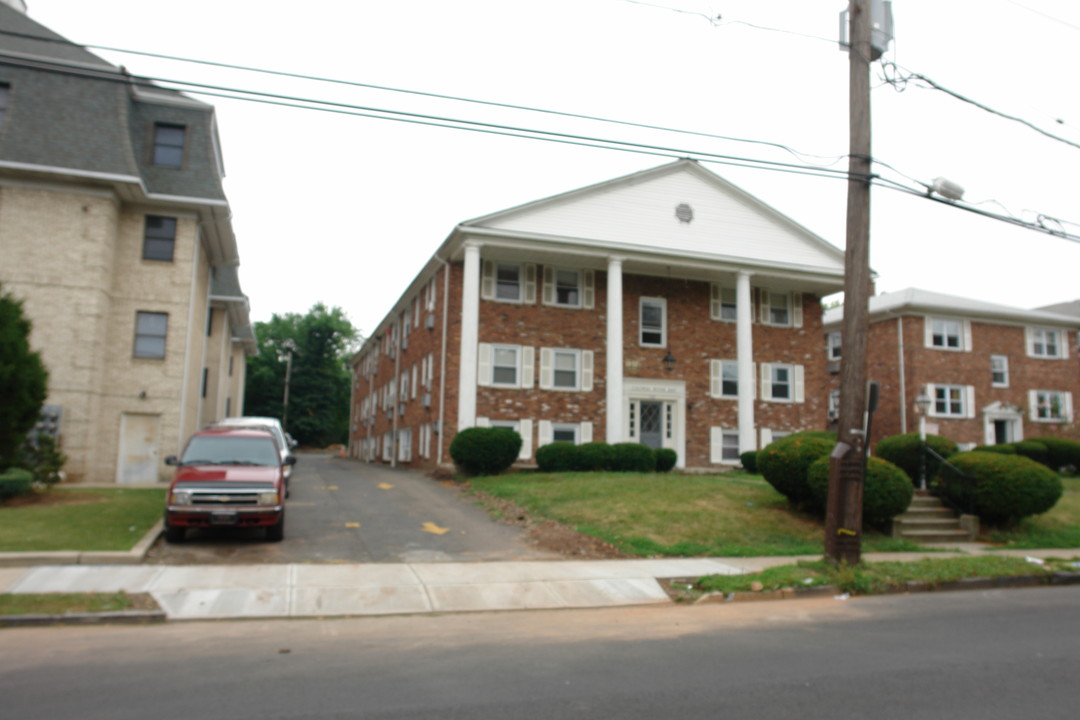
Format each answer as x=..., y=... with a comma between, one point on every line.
x=564, y=432
x=508, y=282
x=205, y=381
x=999, y=370
x=949, y=401
x=832, y=344
x=150, y=331
x=653, y=311
x=1051, y=406
x=724, y=446
x=1045, y=343
x=781, y=382
x=568, y=288
x=565, y=369
x=833, y=411
x=779, y=309
x=168, y=145
x=159, y=238
x=948, y=334
x=405, y=445
x=724, y=378
x=724, y=305
x=504, y=365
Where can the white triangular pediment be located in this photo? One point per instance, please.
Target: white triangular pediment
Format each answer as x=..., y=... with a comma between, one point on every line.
x=649, y=210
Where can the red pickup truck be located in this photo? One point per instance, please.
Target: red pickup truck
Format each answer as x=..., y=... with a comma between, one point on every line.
x=227, y=477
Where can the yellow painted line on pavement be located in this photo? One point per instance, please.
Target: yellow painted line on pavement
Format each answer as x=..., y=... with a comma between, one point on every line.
x=331, y=487
x=430, y=527
x=385, y=486
x=352, y=525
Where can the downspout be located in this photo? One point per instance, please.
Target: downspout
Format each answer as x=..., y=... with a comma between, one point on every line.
x=395, y=444
x=442, y=360
x=181, y=431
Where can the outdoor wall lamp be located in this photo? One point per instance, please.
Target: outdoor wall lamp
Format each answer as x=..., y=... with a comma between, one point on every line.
x=669, y=361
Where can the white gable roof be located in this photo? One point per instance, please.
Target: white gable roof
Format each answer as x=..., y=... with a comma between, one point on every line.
x=916, y=301
x=638, y=212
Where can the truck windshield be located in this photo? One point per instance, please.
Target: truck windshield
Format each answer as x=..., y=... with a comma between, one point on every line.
x=213, y=450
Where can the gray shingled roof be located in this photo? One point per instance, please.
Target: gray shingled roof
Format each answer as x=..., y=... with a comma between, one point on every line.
x=913, y=301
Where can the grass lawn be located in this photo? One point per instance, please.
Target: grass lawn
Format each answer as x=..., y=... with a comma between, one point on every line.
x=79, y=519
x=1058, y=528
x=733, y=514
x=64, y=603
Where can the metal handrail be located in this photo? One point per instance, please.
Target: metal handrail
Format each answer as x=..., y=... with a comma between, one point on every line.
x=943, y=480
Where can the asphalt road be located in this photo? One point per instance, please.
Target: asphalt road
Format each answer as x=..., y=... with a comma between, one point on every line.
x=996, y=655
x=344, y=511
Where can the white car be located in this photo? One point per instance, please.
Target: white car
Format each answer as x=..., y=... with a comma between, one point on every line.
x=285, y=443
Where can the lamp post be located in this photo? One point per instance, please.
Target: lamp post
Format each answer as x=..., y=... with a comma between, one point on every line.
x=922, y=406
x=290, y=346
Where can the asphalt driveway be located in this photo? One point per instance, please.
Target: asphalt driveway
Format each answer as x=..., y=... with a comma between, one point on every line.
x=345, y=511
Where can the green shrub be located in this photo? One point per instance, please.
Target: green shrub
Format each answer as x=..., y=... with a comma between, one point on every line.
x=632, y=457
x=1000, y=489
x=903, y=450
x=749, y=461
x=1061, y=453
x=557, y=457
x=43, y=458
x=592, y=457
x=666, y=459
x=784, y=464
x=485, y=451
x=1003, y=449
x=887, y=490
x=1032, y=449
x=15, y=482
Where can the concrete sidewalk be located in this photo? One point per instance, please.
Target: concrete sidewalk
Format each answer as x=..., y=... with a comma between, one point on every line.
x=210, y=592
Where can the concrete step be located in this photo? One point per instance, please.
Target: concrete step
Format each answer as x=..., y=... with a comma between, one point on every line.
x=936, y=536
x=947, y=523
x=921, y=513
x=926, y=501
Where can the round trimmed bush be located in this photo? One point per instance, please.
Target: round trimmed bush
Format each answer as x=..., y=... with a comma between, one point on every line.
x=485, y=451
x=15, y=482
x=887, y=490
x=592, y=457
x=1000, y=489
x=784, y=464
x=666, y=459
x=1003, y=449
x=557, y=457
x=1061, y=453
x=903, y=450
x=1033, y=449
x=632, y=457
x=749, y=461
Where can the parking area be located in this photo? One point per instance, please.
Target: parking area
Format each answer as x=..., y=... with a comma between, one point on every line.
x=345, y=511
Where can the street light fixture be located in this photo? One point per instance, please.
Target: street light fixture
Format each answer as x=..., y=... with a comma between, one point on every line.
x=922, y=407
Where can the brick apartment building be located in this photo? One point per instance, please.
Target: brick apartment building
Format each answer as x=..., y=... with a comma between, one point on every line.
x=993, y=373
x=115, y=234
x=667, y=307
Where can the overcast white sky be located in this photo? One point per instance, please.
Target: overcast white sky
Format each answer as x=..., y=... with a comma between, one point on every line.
x=345, y=210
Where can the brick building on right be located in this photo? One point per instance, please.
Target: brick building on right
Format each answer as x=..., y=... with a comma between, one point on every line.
x=993, y=373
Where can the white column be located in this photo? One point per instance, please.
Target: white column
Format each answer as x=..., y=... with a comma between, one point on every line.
x=744, y=356
x=614, y=369
x=470, y=337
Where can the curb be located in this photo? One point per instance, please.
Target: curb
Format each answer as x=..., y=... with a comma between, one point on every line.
x=134, y=556
x=121, y=617
x=914, y=586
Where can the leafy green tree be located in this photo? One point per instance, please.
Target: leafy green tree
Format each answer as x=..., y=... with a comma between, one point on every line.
x=23, y=380
x=320, y=343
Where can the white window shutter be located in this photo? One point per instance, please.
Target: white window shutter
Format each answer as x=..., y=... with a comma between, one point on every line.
x=588, y=289
x=483, y=364
x=1033, y=404
x=715, y=378
x=799, y=385
x=796, y=309
x=763, y=306
x=483, y=422
x=547, y=359
x=487, y=280
x=528, y=366
x=714, y=301
x=716, y=445
x=1029, y=341
x=543, y=433
x=586, y=432
x=525, y=430
x=766, y=437
x=969, y=401
x=928, y=331
x=1064, y=351
x=414, y=382
x=967, y=335
x=548, y=296
x=530, y=284
x=586, y=370
x=766, y=381
x=1067, y=410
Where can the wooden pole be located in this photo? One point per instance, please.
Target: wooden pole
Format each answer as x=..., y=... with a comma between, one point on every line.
x=847, y=468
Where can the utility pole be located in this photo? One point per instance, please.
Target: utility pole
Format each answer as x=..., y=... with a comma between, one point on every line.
x=289, y=346
x=847, y=465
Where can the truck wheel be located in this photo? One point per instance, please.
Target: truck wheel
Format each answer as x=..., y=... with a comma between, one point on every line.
x=276, y=533
x=175, y=534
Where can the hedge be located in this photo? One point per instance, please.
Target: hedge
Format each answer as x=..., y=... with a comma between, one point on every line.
x=557, y=457
x=633, y=457
x=903, y=450
x=15, y=482
x=1000, y=489
x=666, y=459
x=1061, y=453
x=485, y=451
x=749, y=460
x=784, y=464
x=887, y=490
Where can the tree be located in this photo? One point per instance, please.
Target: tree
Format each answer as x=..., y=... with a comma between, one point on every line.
x=23, y=380
x=321, y=342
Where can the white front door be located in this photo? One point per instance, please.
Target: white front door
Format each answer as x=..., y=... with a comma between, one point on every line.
x=140, y=448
